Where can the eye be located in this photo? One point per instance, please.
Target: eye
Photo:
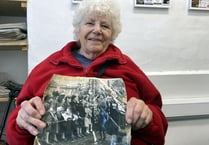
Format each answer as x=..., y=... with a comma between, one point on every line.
x=105, y=26
x=89, y=23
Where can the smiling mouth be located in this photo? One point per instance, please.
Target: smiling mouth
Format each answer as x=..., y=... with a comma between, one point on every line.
x=94, y=39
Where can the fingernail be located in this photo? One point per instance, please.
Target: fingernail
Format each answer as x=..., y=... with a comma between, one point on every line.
x=44, y=125
x=129, y=121
x=35, y=132
x=42, y=112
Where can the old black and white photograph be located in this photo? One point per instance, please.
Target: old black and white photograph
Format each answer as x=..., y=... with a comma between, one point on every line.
x=82, y=111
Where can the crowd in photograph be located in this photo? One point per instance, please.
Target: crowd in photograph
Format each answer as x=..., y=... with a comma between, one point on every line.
x=94, y=112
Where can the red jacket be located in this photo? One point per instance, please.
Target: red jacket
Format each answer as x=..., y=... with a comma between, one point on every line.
x=63, y=62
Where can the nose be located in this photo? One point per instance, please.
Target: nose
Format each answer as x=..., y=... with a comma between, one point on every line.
x=97, y=29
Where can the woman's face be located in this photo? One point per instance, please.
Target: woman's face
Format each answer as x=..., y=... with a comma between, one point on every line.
x=94, y=35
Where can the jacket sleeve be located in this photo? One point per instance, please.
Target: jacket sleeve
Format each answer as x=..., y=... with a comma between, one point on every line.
x=155, y=132
x=14, y=134
x=33, y=86
x=138, y=85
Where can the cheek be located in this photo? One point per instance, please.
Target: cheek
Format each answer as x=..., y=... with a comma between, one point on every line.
x=84, y=35
x=81, y=36
x=108, y=36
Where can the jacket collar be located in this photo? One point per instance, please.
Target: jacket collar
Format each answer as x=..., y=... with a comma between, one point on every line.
x=65, y=55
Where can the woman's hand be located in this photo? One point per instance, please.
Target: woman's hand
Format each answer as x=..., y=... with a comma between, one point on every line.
x=138, y=113
x=30, y=114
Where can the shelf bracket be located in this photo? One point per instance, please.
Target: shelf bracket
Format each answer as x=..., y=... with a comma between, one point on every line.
x=24, y=48
x=24, y=4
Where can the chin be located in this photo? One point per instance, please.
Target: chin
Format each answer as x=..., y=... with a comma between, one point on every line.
x=96, y=49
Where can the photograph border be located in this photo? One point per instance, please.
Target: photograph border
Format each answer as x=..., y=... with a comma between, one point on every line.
x=196, y=8
x=163, y=6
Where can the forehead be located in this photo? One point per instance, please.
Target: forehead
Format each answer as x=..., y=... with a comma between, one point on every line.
x=97, y=16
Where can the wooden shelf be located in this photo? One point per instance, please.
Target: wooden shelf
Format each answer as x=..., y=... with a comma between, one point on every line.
x=19, y=0
x=23, y=3
x=14, y=45
x=11, y=12
x=13, y=8
x=4, y=99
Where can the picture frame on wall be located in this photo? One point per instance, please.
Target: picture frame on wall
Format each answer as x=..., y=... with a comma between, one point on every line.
x=76, y=1
x=152, y=3
x=199, y=4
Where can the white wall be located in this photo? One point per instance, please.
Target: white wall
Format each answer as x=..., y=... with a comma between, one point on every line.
x=188, y=132
x=170, y=45
x=157, y=39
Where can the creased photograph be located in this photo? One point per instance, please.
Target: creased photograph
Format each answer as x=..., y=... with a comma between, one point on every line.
x=83, y=110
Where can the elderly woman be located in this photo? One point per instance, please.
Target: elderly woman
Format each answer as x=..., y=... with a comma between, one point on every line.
x=96, y=26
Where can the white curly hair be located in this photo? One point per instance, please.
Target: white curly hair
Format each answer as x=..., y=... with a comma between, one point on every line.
x=109, y=8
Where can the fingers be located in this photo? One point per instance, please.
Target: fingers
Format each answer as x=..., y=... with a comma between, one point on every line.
x=36, y=102
x=27, y=126
x=30, y=114
x=132, y=111
x=144, y=119
x=138, y=113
